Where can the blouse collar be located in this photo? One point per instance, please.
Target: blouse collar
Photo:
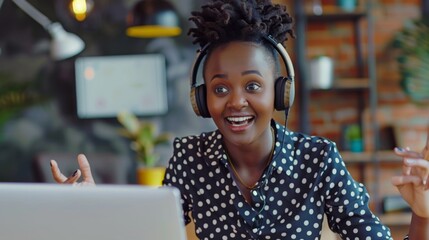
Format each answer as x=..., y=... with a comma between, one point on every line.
x=214, y=153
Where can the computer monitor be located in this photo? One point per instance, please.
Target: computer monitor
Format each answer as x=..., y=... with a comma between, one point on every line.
x=107, y=85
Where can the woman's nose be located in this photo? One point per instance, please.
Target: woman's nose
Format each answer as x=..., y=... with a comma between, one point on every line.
x=237, y=100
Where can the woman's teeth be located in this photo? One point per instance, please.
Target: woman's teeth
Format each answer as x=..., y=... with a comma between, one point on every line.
x=239, y=120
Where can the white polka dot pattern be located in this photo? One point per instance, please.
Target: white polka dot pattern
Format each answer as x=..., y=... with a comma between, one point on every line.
x=306, y=178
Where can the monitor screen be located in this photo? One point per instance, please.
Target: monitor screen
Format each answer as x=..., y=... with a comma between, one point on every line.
x=106, y=85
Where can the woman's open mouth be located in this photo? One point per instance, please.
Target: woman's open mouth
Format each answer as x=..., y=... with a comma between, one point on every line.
x=239, y=121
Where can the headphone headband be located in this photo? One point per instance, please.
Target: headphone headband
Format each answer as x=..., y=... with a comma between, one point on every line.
x=200, y=55
x=278, y=46
x=283, y=54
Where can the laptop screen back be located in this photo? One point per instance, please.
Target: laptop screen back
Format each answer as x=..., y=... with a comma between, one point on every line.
x=108, y=212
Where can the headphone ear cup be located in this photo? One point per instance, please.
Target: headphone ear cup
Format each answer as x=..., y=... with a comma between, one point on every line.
x=198, y=101
x=284, y=93
x=193, y=99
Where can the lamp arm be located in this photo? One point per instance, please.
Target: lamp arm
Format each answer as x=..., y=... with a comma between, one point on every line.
x=33, y=13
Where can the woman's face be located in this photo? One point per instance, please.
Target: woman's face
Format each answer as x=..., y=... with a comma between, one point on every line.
x=239, y=77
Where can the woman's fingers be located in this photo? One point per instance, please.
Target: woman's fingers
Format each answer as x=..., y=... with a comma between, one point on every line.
x=56, y=173
x=406, y=152
x=420, y=168
x=402, y=180
x=73, y=178
x=413, y=165
x=85, y=168
x=406, y=170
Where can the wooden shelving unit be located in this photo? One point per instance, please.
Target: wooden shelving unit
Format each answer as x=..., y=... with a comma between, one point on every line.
x=335, y=15
x=396, y=219
x=367, y=157
x=347, y=84
x=364, y=85
x=361, y=82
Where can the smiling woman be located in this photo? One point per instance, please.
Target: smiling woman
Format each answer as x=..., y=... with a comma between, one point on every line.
x=240, y=93
x=254, y=178
x=249, y=153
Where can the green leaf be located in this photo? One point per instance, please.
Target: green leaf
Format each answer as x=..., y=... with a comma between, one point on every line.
x=143, y=136
x=129, y=121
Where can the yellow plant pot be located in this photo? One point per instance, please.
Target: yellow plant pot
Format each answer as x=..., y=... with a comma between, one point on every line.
x=152, y=176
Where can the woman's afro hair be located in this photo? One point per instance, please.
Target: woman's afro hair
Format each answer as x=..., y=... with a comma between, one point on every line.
x=221, y=21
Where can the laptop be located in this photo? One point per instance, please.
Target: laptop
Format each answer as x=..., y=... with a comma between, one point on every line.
x=44, y=211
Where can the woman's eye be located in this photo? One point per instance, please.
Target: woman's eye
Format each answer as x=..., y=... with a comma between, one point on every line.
x=220, y=90
x=253, y=87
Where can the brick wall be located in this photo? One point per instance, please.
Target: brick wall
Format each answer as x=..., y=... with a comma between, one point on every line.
x=330, y=111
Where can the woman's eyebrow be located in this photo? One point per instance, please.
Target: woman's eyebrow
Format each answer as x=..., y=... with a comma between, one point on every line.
x=221, y=75
x=218, y=76
x=251, y=72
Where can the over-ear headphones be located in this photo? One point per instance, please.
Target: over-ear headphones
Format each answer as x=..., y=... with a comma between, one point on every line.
x=284, y=88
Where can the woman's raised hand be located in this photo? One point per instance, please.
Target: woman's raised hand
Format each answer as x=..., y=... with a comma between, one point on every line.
x=84, y=170
x=413, y=183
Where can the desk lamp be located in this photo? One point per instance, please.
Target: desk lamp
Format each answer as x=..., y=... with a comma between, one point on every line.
x=63, y=44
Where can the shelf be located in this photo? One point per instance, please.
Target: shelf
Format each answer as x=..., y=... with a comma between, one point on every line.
x=368, y=157
x=332, y=14
x=396, y=219
x=351, y=83
x=347, y=84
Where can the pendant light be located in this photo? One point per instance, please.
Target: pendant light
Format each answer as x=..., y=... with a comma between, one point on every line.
x=153, y=18
x=81, y=8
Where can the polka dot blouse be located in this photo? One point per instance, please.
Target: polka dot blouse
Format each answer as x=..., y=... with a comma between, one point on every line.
x=306, y=179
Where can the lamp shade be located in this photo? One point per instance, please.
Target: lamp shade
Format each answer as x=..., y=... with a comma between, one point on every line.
x=153, y=18
x=64, y=44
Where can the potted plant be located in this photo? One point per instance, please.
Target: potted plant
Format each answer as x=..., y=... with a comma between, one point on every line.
x=144, y=138
x=353, y=137
x=412, y=46
x=15, y=96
